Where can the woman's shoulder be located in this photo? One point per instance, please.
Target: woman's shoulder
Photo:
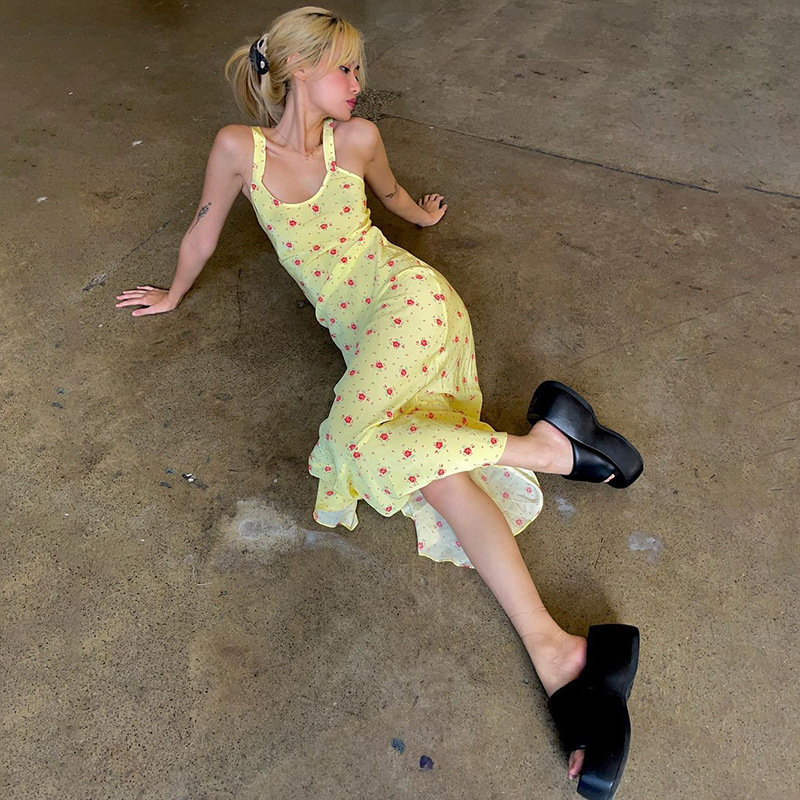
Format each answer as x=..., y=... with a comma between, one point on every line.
x=357, y=134
x=234, y=144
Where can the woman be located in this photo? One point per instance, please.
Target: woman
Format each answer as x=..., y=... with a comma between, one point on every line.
x=404, y=431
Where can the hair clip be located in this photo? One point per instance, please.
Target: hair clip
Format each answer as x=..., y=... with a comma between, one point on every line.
x=257, y=59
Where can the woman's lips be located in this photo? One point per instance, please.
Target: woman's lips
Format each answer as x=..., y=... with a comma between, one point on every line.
x=351, y=103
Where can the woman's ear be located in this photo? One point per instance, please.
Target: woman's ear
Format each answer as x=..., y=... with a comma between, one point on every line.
x=301, y=73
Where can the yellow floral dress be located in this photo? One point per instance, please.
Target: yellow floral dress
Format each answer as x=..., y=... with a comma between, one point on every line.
x=407, y=409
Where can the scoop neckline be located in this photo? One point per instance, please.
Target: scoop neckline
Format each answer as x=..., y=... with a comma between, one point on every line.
x=328, y=173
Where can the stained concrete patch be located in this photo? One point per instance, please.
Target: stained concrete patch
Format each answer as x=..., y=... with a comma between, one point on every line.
x=652, y=545
x=565, y=508
x=268, y=534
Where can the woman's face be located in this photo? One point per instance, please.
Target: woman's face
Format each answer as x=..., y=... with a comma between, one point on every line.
x=335, y=92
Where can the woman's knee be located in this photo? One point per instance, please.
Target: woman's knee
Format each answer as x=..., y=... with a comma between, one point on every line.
x=444, y=491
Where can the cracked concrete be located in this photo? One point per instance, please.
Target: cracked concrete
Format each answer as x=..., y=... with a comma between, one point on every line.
x=623, y=215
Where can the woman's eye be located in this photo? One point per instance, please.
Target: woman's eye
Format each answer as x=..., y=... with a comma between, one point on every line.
x=346, y=70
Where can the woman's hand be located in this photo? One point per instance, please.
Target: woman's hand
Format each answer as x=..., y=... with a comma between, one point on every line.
x=156, y=301
x=434, y=206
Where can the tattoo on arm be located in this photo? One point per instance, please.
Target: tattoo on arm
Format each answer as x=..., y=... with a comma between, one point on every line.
x=201, y=213
x=392, y=193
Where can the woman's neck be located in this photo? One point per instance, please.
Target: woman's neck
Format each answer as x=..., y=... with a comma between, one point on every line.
x=300, y=124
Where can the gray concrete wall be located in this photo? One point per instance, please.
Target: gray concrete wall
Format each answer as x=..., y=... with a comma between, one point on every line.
x=623, y=200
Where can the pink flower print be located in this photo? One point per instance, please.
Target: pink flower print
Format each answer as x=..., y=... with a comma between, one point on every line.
x=382, y=470
x=484, y=478
x=406, y=453
x=379, y=364
x=468, y=451
x=391, y=264
x=413, y=428
x=388, y=509
x=315, y=248
x=344, y=259
x=455, y=339
x=430, y=414
x=418, y=277
x=352, y=372
x=347, y=186
x=351, y=446
x=289, y=245
x=493, y=440
x=397, y=321
x=292, y=223
x=332, y=320
x=438, y=321
x=324, y=226
x=403, y=372
x=389, y=391
x=459, y=314
x=423, y=342
x=253, y=186
x=350, y=282
x=332, y=252
x=395, y=344
x=297, y=262
x=366, y=496
x=333, y=166
x=439, y=524
x=438, y=445
x=342, y=239
x=347, y=209
x=367, y=300
x=389, y=414
x=328, y=493
x=383, y=305
x=275, y=202
x=440, y=472
x=409, y=302
x=384, y=436
x=362, y=396
x=343, y=305
x=353, y=326
x=356, y=454
x=317, y=273
x=338, y=398
x=463, y=420
x=420, y=545
x=505, y=495
x=370, y=331
x=393, y=286
x=315, y=209
x=412, y=478
x=519, y=521
x=327, y=469
x=418, y=498
x=320, y=299
x=370, y=256
x=269, y=227
x=529, y=490
x=424, y=367
x=506, y=473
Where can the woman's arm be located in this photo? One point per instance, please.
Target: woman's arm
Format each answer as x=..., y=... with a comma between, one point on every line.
x=223, y=181
x=378, y=174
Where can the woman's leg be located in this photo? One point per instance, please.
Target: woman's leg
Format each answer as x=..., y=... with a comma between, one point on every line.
x=486, y=538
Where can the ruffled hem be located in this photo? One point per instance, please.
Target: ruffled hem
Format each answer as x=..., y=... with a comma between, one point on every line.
x=515, y=491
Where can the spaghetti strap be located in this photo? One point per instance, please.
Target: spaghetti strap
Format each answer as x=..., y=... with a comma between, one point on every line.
x=327, y=144
x=259, y=153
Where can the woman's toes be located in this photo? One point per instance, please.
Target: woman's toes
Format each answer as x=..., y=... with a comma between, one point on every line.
x=575, y=764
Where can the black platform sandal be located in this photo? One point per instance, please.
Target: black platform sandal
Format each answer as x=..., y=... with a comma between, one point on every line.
x=591, y=712
x=598, y=451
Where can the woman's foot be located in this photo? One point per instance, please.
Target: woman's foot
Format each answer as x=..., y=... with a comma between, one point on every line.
x=557, y=663
x=546, y=438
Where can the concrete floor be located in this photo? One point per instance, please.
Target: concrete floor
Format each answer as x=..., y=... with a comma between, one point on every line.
x=623, y=184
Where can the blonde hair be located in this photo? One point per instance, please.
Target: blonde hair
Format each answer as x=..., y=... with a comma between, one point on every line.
x=316, y=36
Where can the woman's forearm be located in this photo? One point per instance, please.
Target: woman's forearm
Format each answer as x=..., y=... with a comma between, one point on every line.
x=190, y=263
x=403, y=205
